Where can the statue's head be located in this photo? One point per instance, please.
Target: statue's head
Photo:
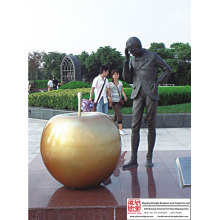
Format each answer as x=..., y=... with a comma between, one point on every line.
x=134, y=46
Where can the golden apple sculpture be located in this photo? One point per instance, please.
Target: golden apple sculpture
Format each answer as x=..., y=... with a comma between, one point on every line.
x=80, y=150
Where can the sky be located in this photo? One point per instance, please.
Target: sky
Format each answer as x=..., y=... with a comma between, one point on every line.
x=74, y=26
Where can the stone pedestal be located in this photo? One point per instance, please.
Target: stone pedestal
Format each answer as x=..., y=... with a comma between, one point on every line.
x=49, y=199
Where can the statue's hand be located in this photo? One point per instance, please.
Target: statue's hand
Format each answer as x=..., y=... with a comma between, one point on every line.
x=154, y=86
x=127, y=54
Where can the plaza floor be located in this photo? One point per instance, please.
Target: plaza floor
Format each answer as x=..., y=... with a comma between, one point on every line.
x=49, y=199
x=167, y=138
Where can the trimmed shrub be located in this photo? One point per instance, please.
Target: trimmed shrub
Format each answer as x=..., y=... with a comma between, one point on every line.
x=41, y=84
x=58, y=99
x=171, y=95
x=67, y=98
x=75, y=85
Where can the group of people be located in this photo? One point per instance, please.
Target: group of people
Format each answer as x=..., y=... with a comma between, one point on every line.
x=52, y=84
x=141, y=71
x=108, y=94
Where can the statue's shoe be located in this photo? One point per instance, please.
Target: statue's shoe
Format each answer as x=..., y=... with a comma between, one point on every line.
x=130, y=165
x=149, y=163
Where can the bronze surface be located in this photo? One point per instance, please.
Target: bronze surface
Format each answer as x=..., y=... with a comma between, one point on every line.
x=80, y=151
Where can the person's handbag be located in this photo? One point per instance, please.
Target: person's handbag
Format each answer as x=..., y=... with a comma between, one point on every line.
x=86, y=105
x=94, y=107
x=95, y=103
x=121, y=100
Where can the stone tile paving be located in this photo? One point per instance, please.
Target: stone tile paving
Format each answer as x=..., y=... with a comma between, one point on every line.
x=167, y=138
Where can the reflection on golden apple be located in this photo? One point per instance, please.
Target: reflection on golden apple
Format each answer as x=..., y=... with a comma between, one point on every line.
x=80, y=151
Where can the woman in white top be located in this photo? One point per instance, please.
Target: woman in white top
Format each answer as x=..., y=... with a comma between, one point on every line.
x=116, y=88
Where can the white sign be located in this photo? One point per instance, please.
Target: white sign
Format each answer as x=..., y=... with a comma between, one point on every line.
x=156, y=209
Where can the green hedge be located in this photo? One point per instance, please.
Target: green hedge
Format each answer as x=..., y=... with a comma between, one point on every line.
x=72, y=85
x=171, y=95
x=75, y=85
x=58, y=99
x=79, y=84
x=40, y=84
x=67, y=98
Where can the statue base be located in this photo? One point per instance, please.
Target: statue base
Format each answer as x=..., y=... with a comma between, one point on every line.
x=49, y=199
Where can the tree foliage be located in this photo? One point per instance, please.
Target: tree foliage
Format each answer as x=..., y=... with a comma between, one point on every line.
x=178, y=57
x=51, y=64
x=182, y=67
x=34, y=64
x=106, y=56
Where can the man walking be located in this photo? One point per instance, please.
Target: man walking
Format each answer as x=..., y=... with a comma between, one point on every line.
x=99, y=82
x=141, y=70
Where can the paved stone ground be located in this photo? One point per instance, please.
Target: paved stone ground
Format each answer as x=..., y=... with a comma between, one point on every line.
x=167, y=138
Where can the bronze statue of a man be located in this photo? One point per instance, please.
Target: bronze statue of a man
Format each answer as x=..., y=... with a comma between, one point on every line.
x=141, y=71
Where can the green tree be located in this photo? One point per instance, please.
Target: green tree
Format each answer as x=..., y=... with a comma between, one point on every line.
x=34, y=64
x=164, y=53
x=178, y=57
x=51, y=64
x=181, y=51
x=182, y=67
x=161, y=50
x=106, y=56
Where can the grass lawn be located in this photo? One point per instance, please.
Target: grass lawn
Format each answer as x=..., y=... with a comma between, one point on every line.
x=179, y=108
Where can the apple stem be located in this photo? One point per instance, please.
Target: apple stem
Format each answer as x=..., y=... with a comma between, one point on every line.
x=79, y=95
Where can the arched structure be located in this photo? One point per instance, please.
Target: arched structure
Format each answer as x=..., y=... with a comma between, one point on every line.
x=70, y=69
